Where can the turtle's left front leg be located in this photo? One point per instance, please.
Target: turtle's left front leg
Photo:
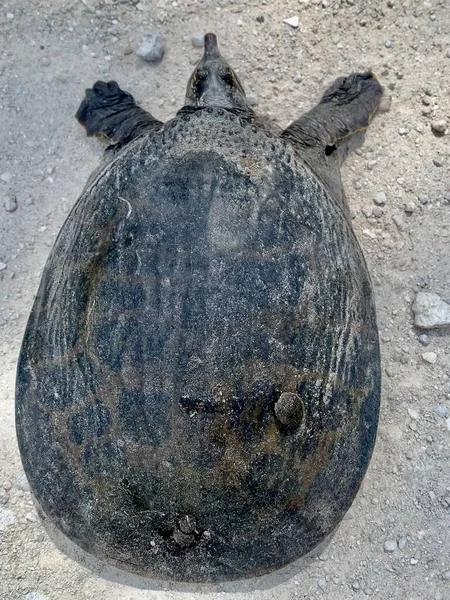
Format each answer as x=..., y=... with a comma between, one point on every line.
x=109, y=111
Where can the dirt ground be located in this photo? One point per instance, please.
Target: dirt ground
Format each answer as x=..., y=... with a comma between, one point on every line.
x=394, y=544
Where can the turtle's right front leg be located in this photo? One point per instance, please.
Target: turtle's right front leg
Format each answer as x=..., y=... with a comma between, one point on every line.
x=109, y=111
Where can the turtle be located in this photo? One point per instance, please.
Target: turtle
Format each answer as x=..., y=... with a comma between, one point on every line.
x=198, y=385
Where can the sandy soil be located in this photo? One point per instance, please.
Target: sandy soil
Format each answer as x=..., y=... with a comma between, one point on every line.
x=50, y=51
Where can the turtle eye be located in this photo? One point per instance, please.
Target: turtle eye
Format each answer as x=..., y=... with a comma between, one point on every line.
x=228, y=78
x=202, y=74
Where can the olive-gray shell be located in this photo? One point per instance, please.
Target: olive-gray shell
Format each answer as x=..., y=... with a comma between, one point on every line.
x=198, y=387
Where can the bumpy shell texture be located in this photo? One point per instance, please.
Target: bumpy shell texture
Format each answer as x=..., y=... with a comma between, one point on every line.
x=199, y=381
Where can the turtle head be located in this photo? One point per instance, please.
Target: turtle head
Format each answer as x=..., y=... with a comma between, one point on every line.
x=214, y=83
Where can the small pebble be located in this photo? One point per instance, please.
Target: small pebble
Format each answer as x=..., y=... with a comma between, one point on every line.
x=424, y=339
x=5, y=177
x=441, y=410
x=10, y=203
x=367, y=211
x=423, y=199
x=446, y=576
x=388, y=44
x=322, y=583
x=409, y=207
x=402, y=543
x=437, y=162
x=439, y=126
x=377, y=211
x=7, y=485
x=10, y=16
x=198, y=41
x=390, y=545
x=252, y=99
x=7, y=518
x=2, y=266
x=429, y=357
x=355, y=585
x=430, y=311
x=297, y=77
x=22, y=483
x=402, y=131
x=399, y=222
x=151, y=48
x=292, y=21
x=380, y=199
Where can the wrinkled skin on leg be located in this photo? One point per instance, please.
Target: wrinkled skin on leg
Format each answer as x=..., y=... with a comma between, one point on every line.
x=328, y=132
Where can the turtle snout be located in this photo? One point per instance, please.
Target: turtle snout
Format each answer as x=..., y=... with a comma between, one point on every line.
x=211, y=47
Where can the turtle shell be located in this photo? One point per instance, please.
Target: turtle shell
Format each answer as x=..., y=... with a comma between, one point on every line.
x=199, y=381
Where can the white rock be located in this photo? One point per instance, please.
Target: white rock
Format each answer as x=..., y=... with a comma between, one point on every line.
x=390, y=545
x=429, y=357
x=151, y=48
x=292, y=21
x=22, y=483
x=430, y=311
x=7, y=518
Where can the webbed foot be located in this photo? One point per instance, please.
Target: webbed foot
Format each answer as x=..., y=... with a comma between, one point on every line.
x=109, y=111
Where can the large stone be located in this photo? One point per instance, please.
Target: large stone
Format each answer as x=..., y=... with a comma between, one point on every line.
x=430, y=311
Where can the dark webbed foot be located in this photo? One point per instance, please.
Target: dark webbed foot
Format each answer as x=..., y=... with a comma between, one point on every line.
x=347, y=107
x=109, y=111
